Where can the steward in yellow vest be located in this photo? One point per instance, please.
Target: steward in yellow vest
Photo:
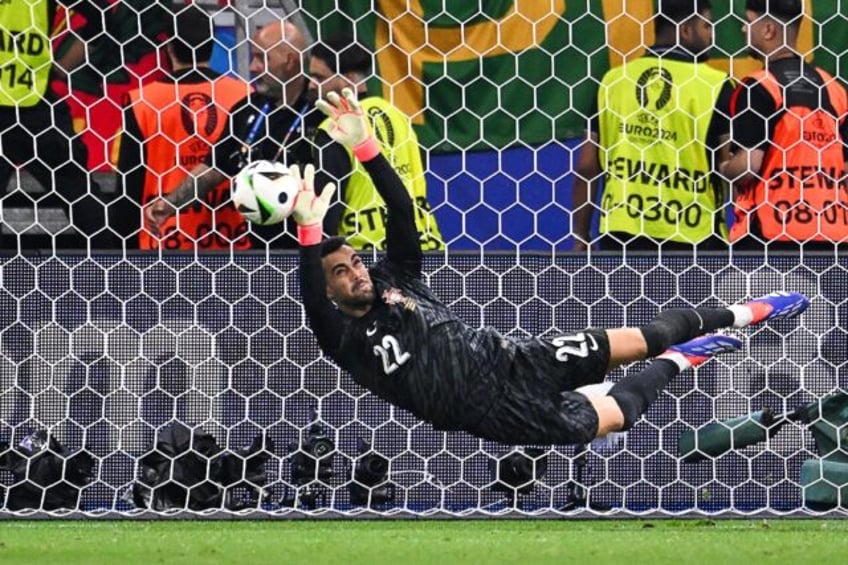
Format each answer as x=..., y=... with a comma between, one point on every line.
x=361, y=211
x=25, y=51
x=660, y=120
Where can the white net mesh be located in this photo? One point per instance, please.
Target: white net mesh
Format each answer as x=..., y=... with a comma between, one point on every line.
x=189, y=381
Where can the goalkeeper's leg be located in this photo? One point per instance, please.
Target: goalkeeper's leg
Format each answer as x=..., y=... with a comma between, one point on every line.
x=630, y=397
x=668, y=328
x=679, y=325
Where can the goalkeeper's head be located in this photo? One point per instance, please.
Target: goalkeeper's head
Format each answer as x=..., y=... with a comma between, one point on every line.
x=348, y=280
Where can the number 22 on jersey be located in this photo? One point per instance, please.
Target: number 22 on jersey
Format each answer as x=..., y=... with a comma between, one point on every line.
x=392, y=354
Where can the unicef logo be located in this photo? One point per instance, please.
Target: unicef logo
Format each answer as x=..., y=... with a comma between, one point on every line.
x=653, y=89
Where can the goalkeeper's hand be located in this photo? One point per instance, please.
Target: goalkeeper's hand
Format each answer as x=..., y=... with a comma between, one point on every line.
x=349, y=126
x=309, y=208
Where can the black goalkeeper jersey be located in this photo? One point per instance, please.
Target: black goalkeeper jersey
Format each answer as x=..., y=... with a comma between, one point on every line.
x=410, y=349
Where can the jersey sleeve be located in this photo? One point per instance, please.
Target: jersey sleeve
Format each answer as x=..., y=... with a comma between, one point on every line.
x=324, y=318
x=403, y=247
x=720, y=120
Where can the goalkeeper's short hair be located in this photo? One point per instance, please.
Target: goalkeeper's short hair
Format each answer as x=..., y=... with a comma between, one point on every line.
x=332, y=244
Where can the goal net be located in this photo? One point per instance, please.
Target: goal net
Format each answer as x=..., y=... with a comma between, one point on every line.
x=164, y=382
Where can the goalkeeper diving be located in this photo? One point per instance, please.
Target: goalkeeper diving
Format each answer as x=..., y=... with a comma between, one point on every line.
x=386, y=327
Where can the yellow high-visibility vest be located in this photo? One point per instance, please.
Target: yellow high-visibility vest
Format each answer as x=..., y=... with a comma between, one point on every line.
x=25, y=53
x=654, y=116
x=363, y=219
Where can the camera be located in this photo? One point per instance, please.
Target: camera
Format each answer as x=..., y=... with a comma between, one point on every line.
x=313, y=459
x=518, y=472
x=311, y=467
x=370, y=473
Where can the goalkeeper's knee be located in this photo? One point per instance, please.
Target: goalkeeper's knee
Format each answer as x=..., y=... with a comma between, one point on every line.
x=670, y=327
x=632, y=406
x=634, y=394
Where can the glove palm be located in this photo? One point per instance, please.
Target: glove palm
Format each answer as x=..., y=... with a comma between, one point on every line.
x=309, y=208
x=349, y=126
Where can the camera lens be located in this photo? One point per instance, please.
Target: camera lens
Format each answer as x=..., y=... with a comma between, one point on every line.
x=321, y=447
x=376, y=465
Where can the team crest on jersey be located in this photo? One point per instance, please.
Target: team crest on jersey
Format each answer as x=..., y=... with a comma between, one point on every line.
x=394, y=296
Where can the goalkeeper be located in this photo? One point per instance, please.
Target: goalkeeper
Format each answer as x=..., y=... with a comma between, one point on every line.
x=389, y=331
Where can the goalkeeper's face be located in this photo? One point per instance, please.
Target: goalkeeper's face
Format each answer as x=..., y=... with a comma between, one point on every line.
x=348, y=281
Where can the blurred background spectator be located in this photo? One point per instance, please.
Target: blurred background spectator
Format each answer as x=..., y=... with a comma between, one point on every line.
x=659, y=125
x=38, y=134
x=276, y=123
x=790, y=129
x=170, y=126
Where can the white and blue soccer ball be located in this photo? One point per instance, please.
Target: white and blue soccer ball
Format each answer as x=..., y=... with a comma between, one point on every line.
x=264, y=192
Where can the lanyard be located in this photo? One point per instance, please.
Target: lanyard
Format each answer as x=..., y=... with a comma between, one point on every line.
x=292, y=128
x=258, y=120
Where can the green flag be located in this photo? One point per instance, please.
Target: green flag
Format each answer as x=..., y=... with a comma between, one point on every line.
x=480, y=76
x=503, y=73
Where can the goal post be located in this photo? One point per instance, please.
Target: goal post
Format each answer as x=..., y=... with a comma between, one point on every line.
x=136, y=384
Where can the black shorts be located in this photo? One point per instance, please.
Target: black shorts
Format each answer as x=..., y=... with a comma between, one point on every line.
x=537, y=404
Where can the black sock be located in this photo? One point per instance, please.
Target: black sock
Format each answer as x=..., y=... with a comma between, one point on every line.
x=682, y=324
x=635, y=393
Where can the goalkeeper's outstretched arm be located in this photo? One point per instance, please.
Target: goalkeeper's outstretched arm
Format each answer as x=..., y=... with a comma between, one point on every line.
x=325, y=320
x=350, y=128
x=309, y=211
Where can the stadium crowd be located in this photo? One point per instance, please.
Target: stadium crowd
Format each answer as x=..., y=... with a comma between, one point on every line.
x=676, y=156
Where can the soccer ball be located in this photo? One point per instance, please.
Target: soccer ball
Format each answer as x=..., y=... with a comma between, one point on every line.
x=264, y=192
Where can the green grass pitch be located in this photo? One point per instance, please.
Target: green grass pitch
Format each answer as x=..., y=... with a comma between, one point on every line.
x=443, y=542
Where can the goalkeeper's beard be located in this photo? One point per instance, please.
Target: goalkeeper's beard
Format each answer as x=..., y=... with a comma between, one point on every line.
x=361, y=294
